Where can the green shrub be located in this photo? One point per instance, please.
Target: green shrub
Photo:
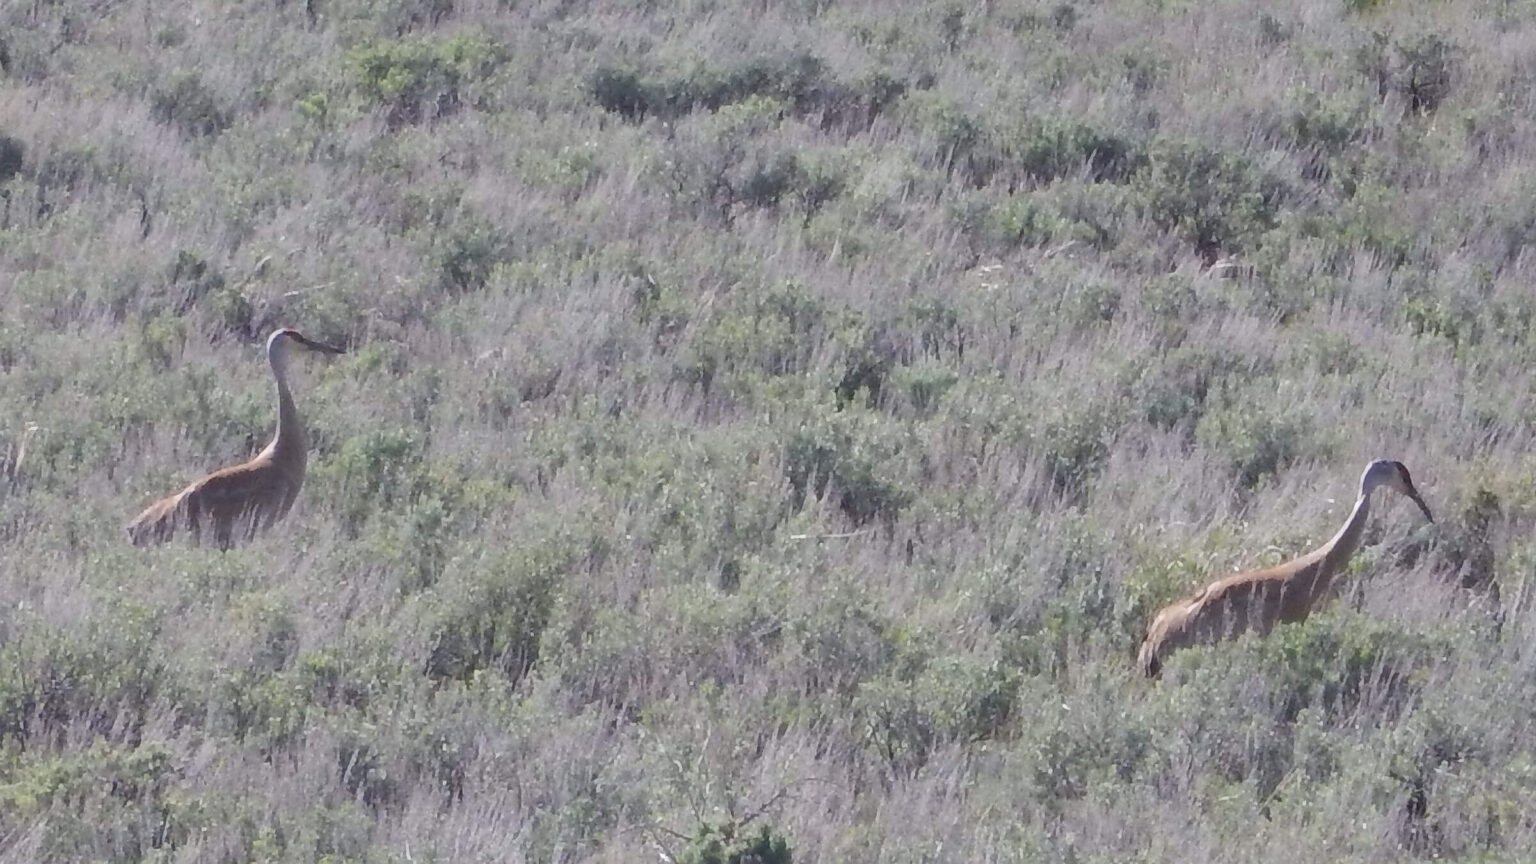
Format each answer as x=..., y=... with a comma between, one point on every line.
x=769, y=180
x=794, y=78
x=1174, y=391
x=998, y=225
x=772, y=334
x=358, y=672
x=854, y=106
x=845, y=454
x=258, y=706
x=191, y=279
x=373, y=471
x=732, y=843
x=1080, y=614
x=161, y=340
x=821, y=178
x=1462, y=546
x=935, y=325
x=951, y=700
x=1072, y=755
x=363, y=766
x=12, y=157
x=1328, y=127
x=1257, y=437
x=729, y=162
x=1336, y=660
x=1367, y=221
x=623, y=92
x=1024, y=153
x=418, y=80
x=959, y=139
x=1427, y=314
x=1274, y=32
x=467, y=257
x=494, y=618
x=1217, y=201
x=441, y=753
x=1338, y=666
x=190, y=106
x=1074, y=438
x=94, y=781
x=1141, y=66
x=268, y=629
x=839, y=642
x=233, y=312
x=1427, y=78
x=574, y=169
x=922, y=386
x=69, y=169
x=428, y=528
x=867, y=359
x=1420, y=70
x=101, y=676
x=798, y=80
x=1056, y=148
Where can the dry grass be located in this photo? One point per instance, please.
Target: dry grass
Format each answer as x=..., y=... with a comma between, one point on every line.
x=779, y=416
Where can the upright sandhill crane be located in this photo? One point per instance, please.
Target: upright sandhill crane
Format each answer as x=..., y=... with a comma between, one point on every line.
x=1260, y=599
x=250, y=496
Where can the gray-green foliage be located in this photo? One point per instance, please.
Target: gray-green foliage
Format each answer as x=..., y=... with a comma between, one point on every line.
x=765, y=430
x=731, y=844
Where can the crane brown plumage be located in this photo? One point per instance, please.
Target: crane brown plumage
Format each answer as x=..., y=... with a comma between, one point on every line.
x=1259, y=599
x=242, y=499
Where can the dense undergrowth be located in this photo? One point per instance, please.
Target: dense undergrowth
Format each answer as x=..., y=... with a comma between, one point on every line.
x=765, y=431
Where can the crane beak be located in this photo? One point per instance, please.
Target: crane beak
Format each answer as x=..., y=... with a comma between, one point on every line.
x=1414, y=494
x=317, y=346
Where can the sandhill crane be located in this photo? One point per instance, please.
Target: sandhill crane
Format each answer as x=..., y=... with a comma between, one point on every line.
x=250, y=496
x=1259, y=599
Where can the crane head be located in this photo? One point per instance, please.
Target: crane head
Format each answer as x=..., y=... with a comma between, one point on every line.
x=1406, y=487
x=288, y=335
x=1394, y=474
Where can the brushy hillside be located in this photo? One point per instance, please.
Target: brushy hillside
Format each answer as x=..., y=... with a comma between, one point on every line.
x=766, y=428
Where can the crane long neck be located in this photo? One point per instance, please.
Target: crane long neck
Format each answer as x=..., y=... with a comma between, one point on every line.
x=1344, y=543
x=290, y=432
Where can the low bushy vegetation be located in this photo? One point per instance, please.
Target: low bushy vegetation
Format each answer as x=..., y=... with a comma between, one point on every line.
x=765, y=432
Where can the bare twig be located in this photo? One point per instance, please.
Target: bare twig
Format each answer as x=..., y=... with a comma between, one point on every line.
x=861, y=532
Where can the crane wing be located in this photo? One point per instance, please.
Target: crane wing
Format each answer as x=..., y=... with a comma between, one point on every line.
x=223, y=499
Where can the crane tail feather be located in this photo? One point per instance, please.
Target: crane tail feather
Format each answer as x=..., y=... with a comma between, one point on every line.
x=160, y=521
